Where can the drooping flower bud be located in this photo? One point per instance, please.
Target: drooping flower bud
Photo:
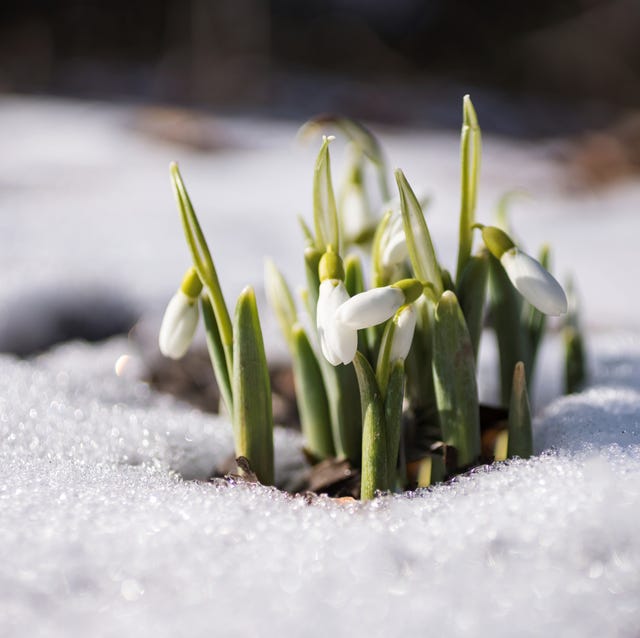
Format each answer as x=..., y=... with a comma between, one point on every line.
x=180, y=319
x=526, y=274
x=405, y=321
x=337, y=342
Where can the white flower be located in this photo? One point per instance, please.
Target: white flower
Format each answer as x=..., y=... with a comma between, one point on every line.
x=533, y=282
x=405, y=321
x=370, y=308
x=178, y=325
x=394, y=248
x=338, y=342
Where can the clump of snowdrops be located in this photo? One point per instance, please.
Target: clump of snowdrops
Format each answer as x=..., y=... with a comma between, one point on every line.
x=385, y=374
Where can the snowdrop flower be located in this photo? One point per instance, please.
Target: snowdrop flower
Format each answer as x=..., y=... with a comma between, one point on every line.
x=338, y=343
x=181, y=318
x=378, y=304
x=405, y=321
x=394, y=242
x=526, y=274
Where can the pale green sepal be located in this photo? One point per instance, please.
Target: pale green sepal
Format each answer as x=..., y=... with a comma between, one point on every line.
x=202, y=261
x=331, y=266
x=455, y=381
x=520, y=435
x=470, y=151
x=506, y=310
x=216, y=352
x=375, y=464
x=325, y=214
x=393, y=418
x=252, y=413
x=411, y=288
x=496, y=240
x=280, y=299
x=311, y=397
x=472, y=291
x=421, y=252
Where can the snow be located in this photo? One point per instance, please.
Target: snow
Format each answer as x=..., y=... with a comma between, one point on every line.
x=108, y=526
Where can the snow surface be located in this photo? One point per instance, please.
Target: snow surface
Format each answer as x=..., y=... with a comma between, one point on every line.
x=107, y=526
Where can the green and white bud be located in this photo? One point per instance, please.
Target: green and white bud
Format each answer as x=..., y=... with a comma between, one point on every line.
x=180, y=319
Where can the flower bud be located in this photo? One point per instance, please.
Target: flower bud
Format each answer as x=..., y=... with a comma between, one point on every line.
x=371, y=307
x=405, y=321
x=534, y=283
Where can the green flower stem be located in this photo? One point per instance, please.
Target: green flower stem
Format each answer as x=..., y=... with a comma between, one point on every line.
x=375, y=471
x=520, y=435
x=470, y=151
x=455, y=381
x=472, y=290
x=506, y=310
x=203, y=262
x=252, y=415
x=311, y=397
x=354, y=283
x=421, y=251
x=216, y=352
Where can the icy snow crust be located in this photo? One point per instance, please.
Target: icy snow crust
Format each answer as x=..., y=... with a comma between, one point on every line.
x=102, y=533
x=108, y=526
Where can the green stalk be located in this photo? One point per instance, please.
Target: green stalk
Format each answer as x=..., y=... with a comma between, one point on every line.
x=393, y=418
x=472, y=290
x=252, y=416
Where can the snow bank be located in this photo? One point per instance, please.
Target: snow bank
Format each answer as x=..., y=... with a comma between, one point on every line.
x=101, y=536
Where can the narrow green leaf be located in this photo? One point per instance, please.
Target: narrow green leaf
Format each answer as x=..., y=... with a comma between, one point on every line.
x=421, y=252
x=312, y=258
x=506, y=310
x=216, y=352
x=520, y=435
x=470, y=150
x=252, y=415
x=203, y=261
x=393, y=418
x=472, y=291
x=455, y=381
x=280, y=299
x=374, y=440
x=325, y=214
x=311, y=397
x=575, y=356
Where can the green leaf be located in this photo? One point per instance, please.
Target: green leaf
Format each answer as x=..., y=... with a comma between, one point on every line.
x=216, y=352
x=325, y=214
x=472, y=291
x=312, y=258
x=311, y=397
x=202, y=261
x=520, y=435
x=470, y=151
x=280, y=299
x=455, y=381
x=375, y=471
x=252, y=416
x=421, y=252
x=393, y=418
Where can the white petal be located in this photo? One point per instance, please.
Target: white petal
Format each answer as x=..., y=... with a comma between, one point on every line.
x=403, y=334
x=395, y=250
x=534, y=283
x=370, y=308
x=337, y=343
x=178, y=326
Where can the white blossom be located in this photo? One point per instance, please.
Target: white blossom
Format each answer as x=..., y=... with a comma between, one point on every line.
x=337, y=341
x=370, y=308
x=405, y=321
x=533, y=282
x=178, y=325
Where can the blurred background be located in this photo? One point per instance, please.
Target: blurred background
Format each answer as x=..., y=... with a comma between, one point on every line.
x=545, y=68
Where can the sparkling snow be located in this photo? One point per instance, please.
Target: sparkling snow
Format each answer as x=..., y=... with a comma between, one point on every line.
x=107, y=524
